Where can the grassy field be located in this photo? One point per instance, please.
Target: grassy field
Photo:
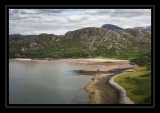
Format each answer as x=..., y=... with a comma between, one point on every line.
x=137, y=85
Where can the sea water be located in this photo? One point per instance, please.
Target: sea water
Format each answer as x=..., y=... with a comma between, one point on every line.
x=45, y=82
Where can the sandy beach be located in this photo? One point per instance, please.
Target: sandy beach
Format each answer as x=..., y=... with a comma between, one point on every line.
x=103, y=89
x=79, y=60
x=25, y=59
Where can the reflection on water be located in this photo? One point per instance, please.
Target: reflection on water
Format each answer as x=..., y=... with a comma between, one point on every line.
x=35, y=82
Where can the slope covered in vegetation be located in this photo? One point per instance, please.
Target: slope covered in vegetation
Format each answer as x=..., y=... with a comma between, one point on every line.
x=86, y=42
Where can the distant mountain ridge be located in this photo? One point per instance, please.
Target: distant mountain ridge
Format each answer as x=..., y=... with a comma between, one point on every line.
x=147, y=28
x=111, y=27
x=114, y=27
x=19, y=36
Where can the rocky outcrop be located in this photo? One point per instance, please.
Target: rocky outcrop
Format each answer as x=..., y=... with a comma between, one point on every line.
x=91, y=37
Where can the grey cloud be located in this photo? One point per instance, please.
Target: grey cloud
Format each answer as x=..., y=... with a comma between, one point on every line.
x=16, y=14
x=41, y=11
x=35, y=11
x=59, y=21
x=120, y=12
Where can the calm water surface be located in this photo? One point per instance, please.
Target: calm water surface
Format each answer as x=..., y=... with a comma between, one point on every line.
x=39, y=82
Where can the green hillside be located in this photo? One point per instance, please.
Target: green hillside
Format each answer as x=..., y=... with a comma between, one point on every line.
x=86, y=42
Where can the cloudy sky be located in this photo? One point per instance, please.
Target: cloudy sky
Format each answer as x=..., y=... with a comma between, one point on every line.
x=60, y=21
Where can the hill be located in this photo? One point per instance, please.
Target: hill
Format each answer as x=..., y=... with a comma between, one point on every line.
x=111, y=27
x=86, y=42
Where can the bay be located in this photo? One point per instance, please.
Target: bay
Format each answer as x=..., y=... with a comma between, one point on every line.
x=39, y=82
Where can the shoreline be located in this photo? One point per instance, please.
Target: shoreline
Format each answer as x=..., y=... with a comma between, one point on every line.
x=78, y=60
x=103, y=89
x=124, y=99
x=100, y=92
x=20, y=59
x=108, y=93
x=110, y=59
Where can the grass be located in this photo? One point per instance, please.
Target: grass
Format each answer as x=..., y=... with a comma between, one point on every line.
x=137, y=85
